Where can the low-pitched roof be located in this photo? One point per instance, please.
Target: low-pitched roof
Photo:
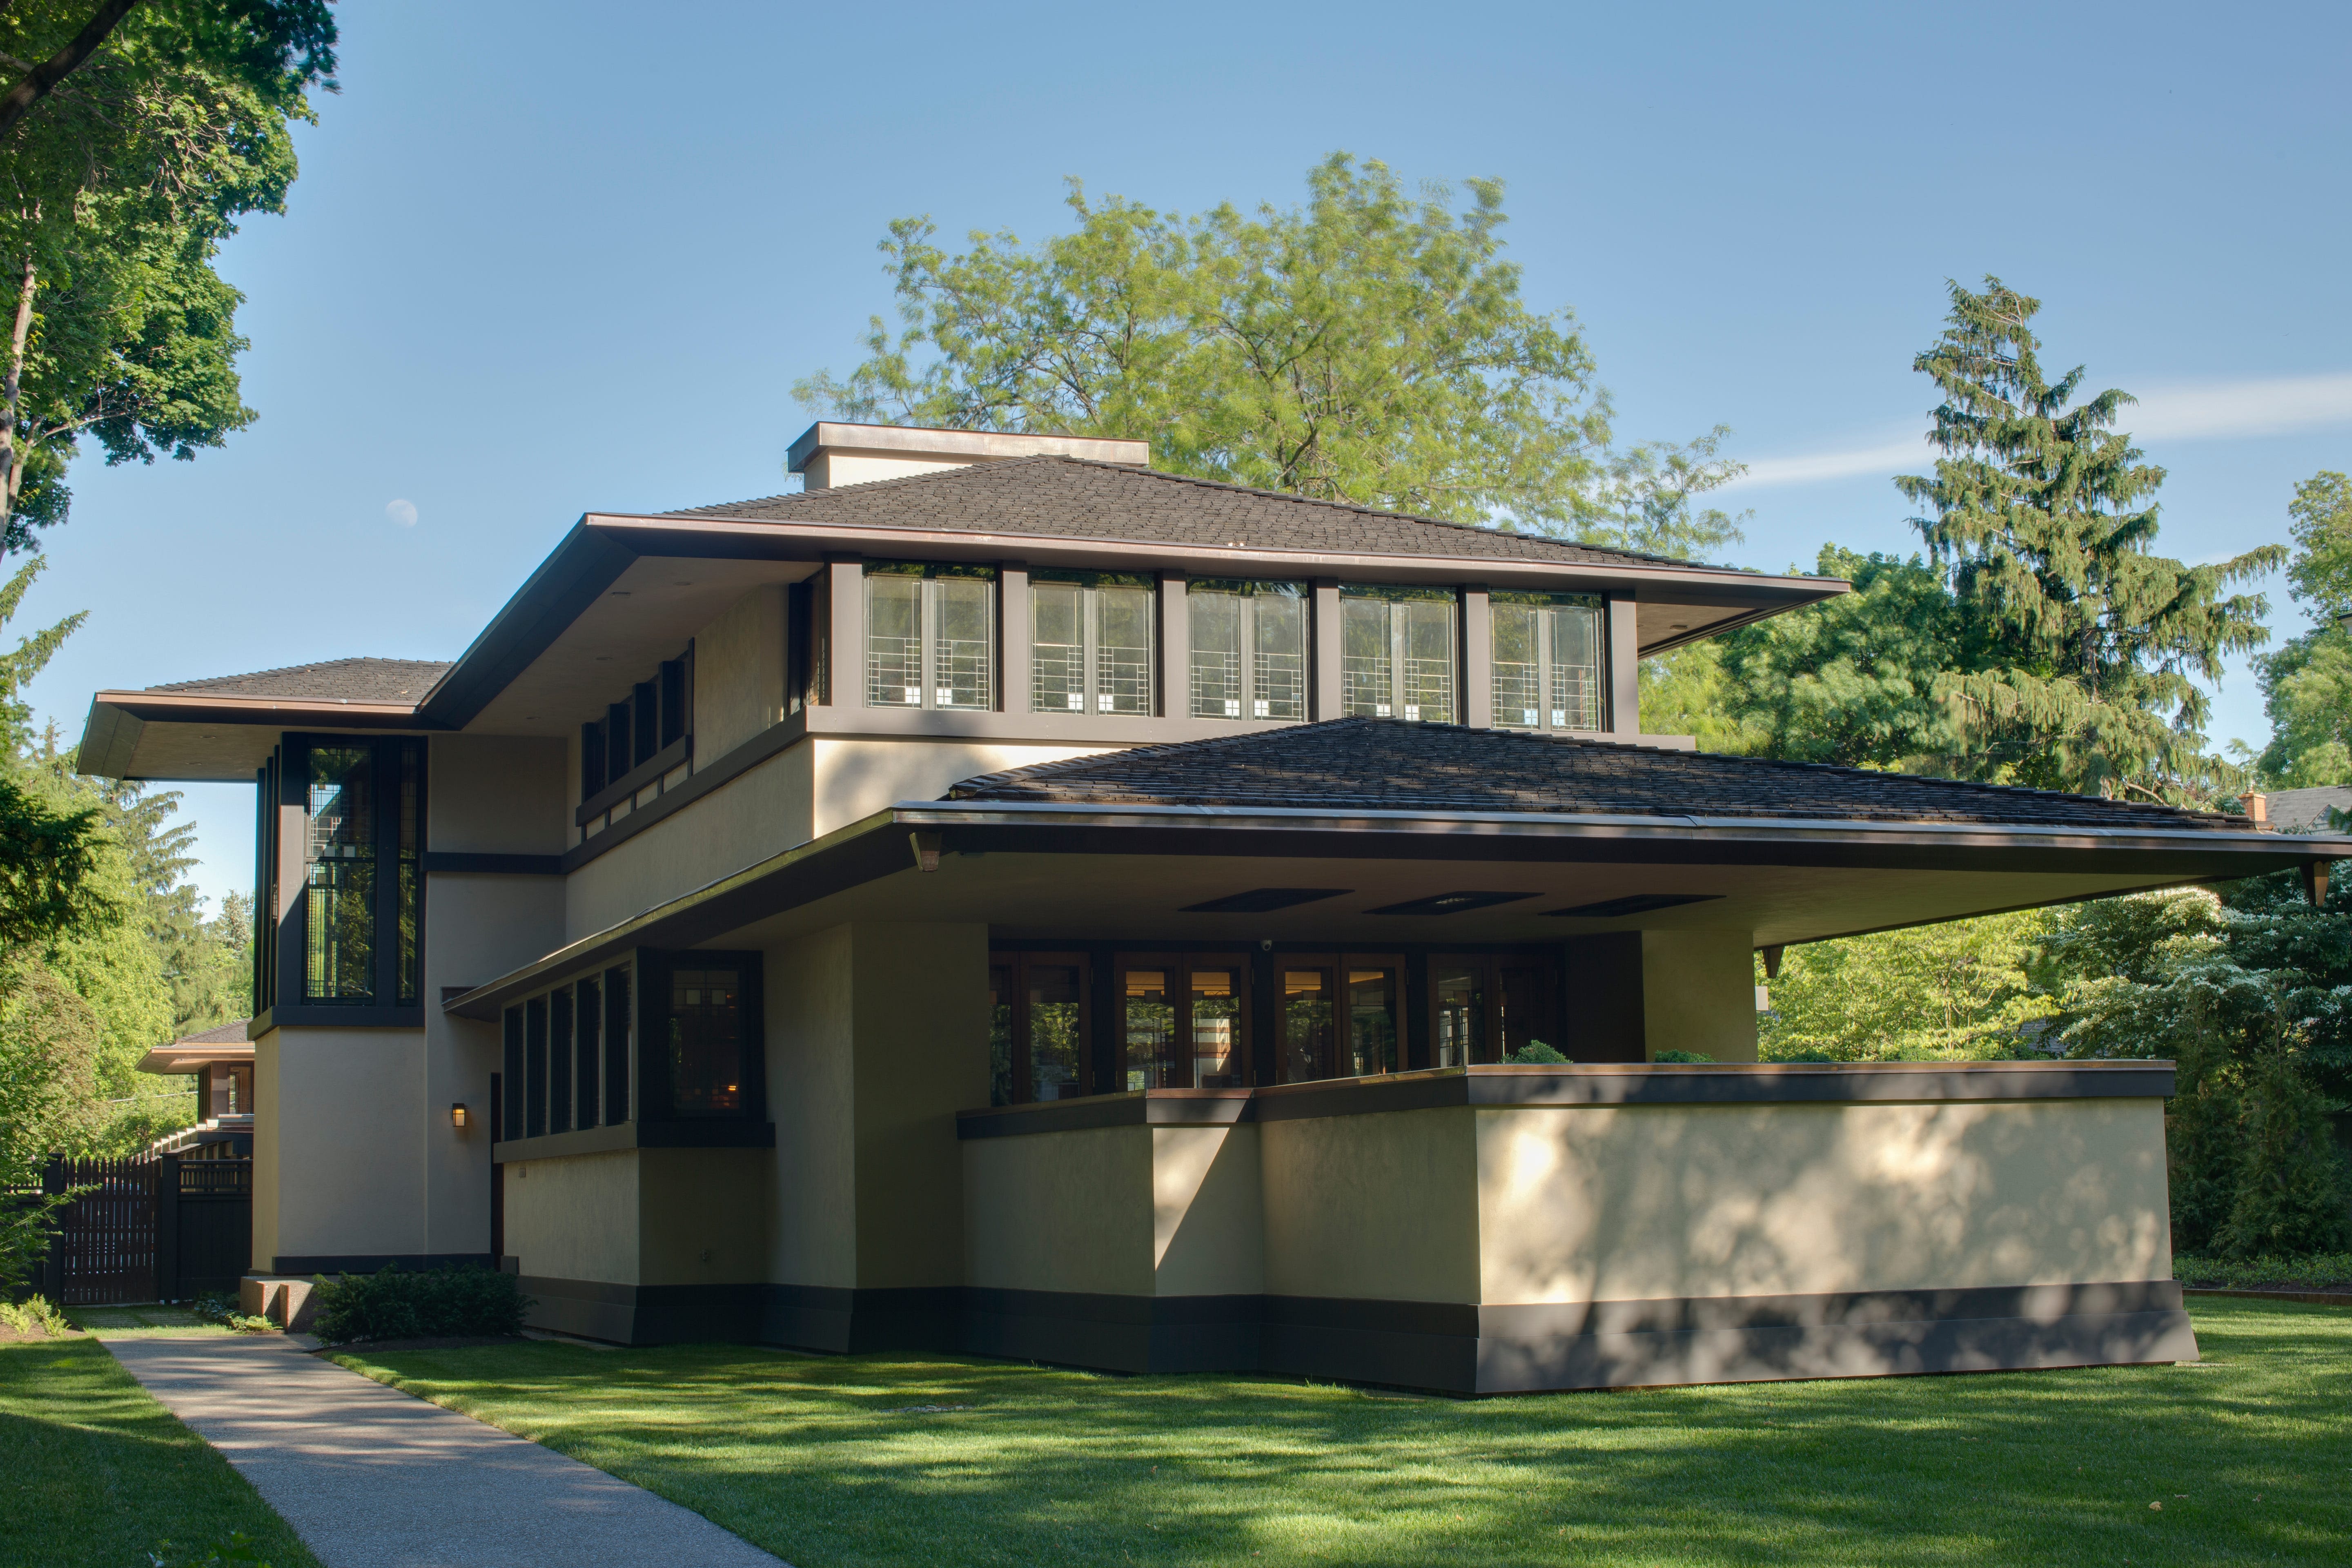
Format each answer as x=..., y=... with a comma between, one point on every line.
x=1386, y=765
x=384, y=680
x=226, y=1043
x=1073, y=497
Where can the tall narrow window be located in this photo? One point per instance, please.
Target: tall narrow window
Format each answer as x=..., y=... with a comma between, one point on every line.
x=1091, y=647
x=1305, y=1024
x=1396, y=653
x=1371, y=1019
x=591, y=1027
x=559, y=1061
x=930, y=636
x=1249, y=649
x=1214, y=1027
x=339, y=921
x=1459, y=993
x=512, y=1100
x=1148, y=1029
x=1000, y=1034
x=1547, y=664
x=409, y=892
x=619, y=1018
x=534, y=1067
x=1058, y=1033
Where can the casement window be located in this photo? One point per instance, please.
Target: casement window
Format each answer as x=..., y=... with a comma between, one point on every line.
x=1396, y=653
x=1039, y=1036
x=1338, y=1015
x=1548, y=661
x=1484, y=1007
x=646, y=735
x=567, y=1057
x=931, y=636
x=1092, y=643
x=1183, y=1021
x=1249, y=649
x=348, y=947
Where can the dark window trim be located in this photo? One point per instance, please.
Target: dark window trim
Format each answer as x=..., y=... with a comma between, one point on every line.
x=288, y=1007
x=650, y=770
x=653, y=968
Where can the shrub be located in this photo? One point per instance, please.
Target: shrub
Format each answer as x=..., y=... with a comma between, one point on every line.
x=2315, y=1272
x=1682, y=1057
x=1534, y=1053
x=435, y=1303
x=215, y=1307
x=34, y=1315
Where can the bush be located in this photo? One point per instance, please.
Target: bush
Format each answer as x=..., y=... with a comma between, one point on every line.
x=216, y=1307
x=437, y=1303
x=1534, y=1053
x=2315, y=1272
x=33, y=1315
x=1683, y=1056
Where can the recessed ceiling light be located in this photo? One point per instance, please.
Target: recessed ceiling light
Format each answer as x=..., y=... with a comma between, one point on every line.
x=618, y=594
x=1449, y=903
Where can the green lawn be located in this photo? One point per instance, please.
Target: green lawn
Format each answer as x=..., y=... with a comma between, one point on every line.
x=94, y=1471
x=820, y=1461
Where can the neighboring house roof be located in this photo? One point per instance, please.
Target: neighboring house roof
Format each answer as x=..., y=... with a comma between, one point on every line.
x=1072, y=498
x=1385, y=764
x=373, y=680
x=187, y=1053
x=2305, y=810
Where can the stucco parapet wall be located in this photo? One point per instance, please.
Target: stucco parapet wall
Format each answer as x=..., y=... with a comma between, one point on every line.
x=635, y=1135
x=1786, y=1083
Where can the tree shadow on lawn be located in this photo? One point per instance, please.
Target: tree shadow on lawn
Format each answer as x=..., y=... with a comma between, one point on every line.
x=94, y=1470
x=819, y=1459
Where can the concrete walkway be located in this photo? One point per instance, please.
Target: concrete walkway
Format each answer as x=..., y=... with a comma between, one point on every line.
x=371, y=1478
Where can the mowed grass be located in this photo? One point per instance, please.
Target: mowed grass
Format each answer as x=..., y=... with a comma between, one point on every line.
x=94, y=1472
x=820, y=1461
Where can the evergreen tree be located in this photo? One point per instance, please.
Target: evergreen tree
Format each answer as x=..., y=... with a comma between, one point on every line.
x=2046, y=514
x=2308, y=683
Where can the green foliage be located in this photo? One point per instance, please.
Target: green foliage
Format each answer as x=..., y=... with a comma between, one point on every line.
x=236, y=1552
x=1369, y=347
x=116, y=190
x=2093, y=645
x=1958, y=991
x=396, y=1304
x=2308, y=683
x=1535, y=1053
x=2252, y=995
x=2315, y=1271
x=1685, y=1056
x=216, y=1307
x=35, y=1318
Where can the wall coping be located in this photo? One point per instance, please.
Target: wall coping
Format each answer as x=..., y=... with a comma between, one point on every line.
x=1599, y=1084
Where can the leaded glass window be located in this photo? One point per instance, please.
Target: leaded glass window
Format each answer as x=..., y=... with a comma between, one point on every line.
x=1249, y=649
x=1547, y=663
x=1396, y=653
x=340, y=886
x=931, y=636
x=1091, y=643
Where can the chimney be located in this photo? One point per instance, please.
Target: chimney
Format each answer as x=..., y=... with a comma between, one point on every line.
x=2257, y=808
x=828, y=456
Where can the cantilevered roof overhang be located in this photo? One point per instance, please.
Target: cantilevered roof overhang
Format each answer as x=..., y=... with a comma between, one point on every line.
x=1095, y=871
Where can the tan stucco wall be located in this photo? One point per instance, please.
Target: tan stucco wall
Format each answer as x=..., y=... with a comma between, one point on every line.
x=344, y=1139
x=497, y=795
x=878, y=1034
x=854, y=779
x=1383, y=1206
x=919, y=996
x=576, y=1218
x=1061, y=1211
x=1125, y=1211
x=1698, y=992
x=1626, y=1203
x=739, y=674
x=763, y=812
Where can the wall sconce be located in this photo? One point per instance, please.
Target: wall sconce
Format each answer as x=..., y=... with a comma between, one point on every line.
x=457, y=1115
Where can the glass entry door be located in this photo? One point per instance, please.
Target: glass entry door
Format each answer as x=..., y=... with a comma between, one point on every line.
x=1182, y=1021
x=1338, y=1015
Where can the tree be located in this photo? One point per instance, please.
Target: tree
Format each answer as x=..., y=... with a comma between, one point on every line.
x=2308, y=683
x=1958, y=991
x=2046, y=515
x=117, y=185
x=1368, y=348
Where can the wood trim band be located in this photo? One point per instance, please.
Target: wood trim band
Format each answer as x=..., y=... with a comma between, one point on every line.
x=626, y=787
x=1766, y=1083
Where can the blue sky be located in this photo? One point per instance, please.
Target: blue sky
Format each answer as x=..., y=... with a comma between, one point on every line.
x=544, y=258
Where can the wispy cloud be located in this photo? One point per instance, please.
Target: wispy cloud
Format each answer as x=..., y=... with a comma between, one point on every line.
x=2186, y=411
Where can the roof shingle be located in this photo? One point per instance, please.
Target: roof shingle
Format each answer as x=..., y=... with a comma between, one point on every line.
x=1386, y=765
x=387, y=680
x=1071, y=497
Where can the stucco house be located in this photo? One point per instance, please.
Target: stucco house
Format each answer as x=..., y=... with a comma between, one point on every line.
x=1000, y=897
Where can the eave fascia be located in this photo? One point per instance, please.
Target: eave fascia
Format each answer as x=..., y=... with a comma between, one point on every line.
x=279, y=712
x=878, y=845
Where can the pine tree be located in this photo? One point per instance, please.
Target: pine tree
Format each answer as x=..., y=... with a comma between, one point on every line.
x=2046, y=514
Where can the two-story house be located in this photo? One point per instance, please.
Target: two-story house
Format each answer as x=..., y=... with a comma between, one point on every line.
x=1002, y=898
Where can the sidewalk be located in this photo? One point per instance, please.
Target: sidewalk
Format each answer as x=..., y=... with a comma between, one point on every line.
x=371, y=1478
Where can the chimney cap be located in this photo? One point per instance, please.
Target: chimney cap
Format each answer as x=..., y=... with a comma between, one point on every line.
x=959, y=446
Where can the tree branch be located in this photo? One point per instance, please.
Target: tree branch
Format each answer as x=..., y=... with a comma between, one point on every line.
x=44, y=77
